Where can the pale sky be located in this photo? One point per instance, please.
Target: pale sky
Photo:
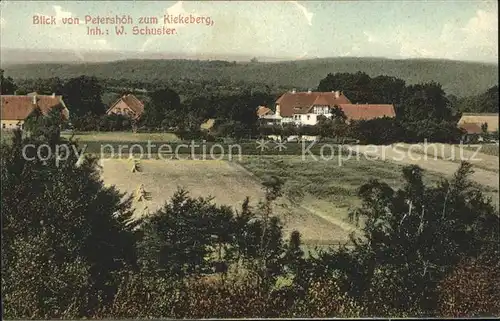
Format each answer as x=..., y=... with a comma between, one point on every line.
x=460, y=30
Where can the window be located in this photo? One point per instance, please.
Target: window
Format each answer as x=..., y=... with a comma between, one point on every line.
x=3, y=125
x=308, y=117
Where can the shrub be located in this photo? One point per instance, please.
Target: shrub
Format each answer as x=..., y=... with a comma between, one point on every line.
x=472, y=289
x=64, y=234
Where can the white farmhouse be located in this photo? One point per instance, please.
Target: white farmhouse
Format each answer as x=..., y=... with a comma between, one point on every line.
x=303, y=108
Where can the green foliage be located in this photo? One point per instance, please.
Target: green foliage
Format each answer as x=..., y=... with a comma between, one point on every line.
x=192, y=236
x=45, y=127
x=7, y=85
x=64, y=235
x=233, y=129
x=432, y=131
x=379, y=131
x=144, y=295
x=178, y=238
x=414, y=236
x=70, y=248
x=82, y=95
x=457, y=77
x=163, y=110
x=53, y=85
x=333, y=127
x=486, y=102
x=360, y=88
x=108, y=123
x=472, y=289
x=69, y=251
x=424, y=101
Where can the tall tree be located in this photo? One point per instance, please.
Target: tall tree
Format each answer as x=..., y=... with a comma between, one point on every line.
x=425, y=101
x=413, y=237
x=488, y=102
x=164, y=109
x=49, y=86
x=387, y=90
x=82, y=95
x=7, y=85
x=179, y=238
x=361, y=88
x=65, y=236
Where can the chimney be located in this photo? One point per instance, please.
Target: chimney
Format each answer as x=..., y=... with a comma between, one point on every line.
x=34, y=99
x=309, y=91
x=53, y=95
x=337, y=94
x=294, y=91
x=278, y=110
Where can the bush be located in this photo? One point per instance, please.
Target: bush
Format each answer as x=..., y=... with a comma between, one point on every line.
x=64, y=235
x=143, y=295
x=380, y=131
x=432, y=131
x=471, y=290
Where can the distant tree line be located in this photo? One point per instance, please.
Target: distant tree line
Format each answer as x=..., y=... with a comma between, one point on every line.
x=459, y=78
x=422, y=110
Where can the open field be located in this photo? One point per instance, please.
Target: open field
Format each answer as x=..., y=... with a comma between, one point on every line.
x=488, y=149
x=324, y=187
x=116, y=137
x=481, y=155
x=209, y=150
x=323, y=192
x=122, y=137
x=397, y=155
x=487, y=180
x=227, y=183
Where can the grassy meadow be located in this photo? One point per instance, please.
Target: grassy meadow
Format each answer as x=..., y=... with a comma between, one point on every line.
x=226, y=182
x=484, y=156
x=318, y=195
x=488, y=149
x=122, y=137
x=325, y=186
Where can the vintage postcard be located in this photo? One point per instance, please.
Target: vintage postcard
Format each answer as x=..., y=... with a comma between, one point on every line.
x=249, y=159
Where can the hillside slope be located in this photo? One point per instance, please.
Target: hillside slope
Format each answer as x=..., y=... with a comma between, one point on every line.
x=457, y=77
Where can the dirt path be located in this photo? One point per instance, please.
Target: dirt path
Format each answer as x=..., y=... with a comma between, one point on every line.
x=400, y=155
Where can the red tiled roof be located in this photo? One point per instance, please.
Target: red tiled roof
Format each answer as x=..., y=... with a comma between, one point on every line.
x=263, y=110
x=321, y=101
x=301, y=102
x=471, y=128
x=16, y=107
x=491, y=119
x=367, y=111
x=132, y=102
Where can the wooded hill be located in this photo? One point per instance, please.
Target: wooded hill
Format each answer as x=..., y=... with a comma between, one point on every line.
x=458, y=78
